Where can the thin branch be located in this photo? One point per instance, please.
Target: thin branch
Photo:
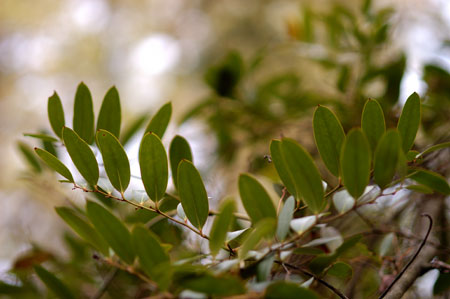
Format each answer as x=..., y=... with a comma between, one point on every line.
x=424, y=241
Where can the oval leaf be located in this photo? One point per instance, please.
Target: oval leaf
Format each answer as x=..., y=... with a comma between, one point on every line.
x=154, y=167
x=160, y=121
x=281, y=167
x=285, y=217
x=288, y=290
x=179, y=150
x=54, y=163
x=409, y=121
x=431, y=180
x=386, y=158
x=83, y=229
x=115, y=159
x=56, y=114
x=304, y=174
x=255, y=199
x=221, y=226
x=329, y=135
x=81, y=155
x=193, y=196
x=109, y=117
x=112, y=230
x=372, y=122
x=83, y=114
x=355, y=162
x=53, y=283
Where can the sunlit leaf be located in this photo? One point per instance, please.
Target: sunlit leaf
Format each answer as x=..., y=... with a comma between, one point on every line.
x=288, y=290
x=160, y=120
x=83, y=114
x=109, y=117
x=56, y=114
x=54, y=163
x=221, y=226
x=281, y=166
x=285, y=217
x=53, y=283
x=179, y=150
x=263, y=229
x=329, y=135
x=192, y=193
x=386, y=158
x=372, y=122
x=432, y=180
x=409, y=121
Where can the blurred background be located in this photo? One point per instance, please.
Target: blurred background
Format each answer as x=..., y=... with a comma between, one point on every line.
x=238, y=73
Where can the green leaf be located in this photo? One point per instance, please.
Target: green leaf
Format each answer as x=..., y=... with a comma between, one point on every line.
x=433, y=148
x=432, y=180
x=154, y=168
x=288, y=290
x=263, y=229
x=29, y=156
x=179, y=150
x=420, y=188
x=192, y=193
x=54, y=163
x=285, y=217
x=56, y=114
x=115, y=159
x=112, y=230
x=355, y=162
x=81, y=155
x=149, y=250
x=409, y=121
x=386, y=158
x=221, y=226
x=372, y=122
x=160, y=120
x=43, y=137
x=110, y=116
x=83, y=229
x=255, y=199
x=204, y=282
x=53, y=283
x=304, y=174
x=83, y=114
x=281, y=167
x=340, y=270
x=329, y=135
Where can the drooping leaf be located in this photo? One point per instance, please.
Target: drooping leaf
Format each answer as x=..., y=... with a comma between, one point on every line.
x=179, y=150
x=340, y=270
x=193, y=196
x=43, y=137
x=263, y=229
x=285, y=217
x=329, y=135
x=53, y=283
x=355, y=162
x=288, y=290
x=154, y=168
x=409, y=121
x=112, y=230
x=81, y=155
x=160, y=120
x=255, y=199
x=304, y=174
x=221, y=226
x=372, y=122
x=131, y=129
x=83, y=114
x=83, y=229
x=115, y=159
x=29, y=156
x=386, y=158
x=432, y=180
x=56, y=114
x=54, y=163
x=109, y=117
x=281, y=167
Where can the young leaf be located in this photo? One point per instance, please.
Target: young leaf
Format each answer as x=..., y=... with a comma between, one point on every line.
x=148, y=249
x=355, y=162
x=386, y=157
x=281, y=167
x=115, y=159
x=56, y=114
x=372, y=122
x=81, y=155
x=179, y=150
x=83, y=229
x=288, y=290
x=431, y=180
x=255, y=199
x=409, y=121
x=112, y=230
x=160, y=121
x=53, y=283
x=192, y=193
x=263, y=229
x=304, y=174
x=285, y=217
x=43, y=137
x=221, y=226
x=83, y=114
x=54, y=163
x=109, y=117
x=154, y=168
x=329, y=135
